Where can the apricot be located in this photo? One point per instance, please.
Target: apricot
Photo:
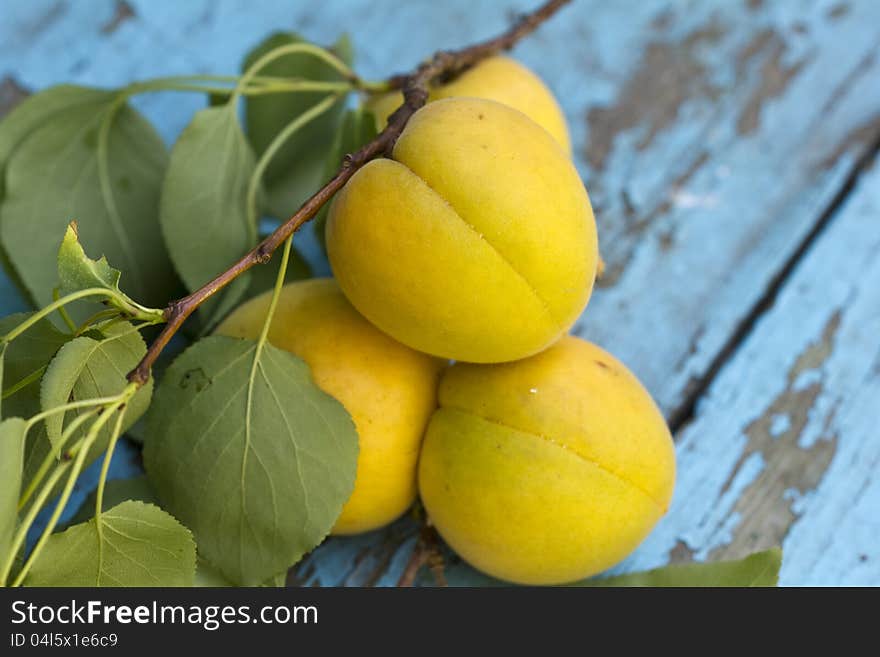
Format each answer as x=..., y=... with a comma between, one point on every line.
x=390, y=390
x=498, y=78
x=476, y=242
x=547, y=470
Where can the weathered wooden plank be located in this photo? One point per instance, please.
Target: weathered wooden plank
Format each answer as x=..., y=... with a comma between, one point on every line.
x=784, y=447
x=710, y=135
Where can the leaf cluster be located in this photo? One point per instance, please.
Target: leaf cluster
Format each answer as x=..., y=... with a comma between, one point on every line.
x=248, y=463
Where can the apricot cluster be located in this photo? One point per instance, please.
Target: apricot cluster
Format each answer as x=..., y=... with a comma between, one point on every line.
x=538, y=456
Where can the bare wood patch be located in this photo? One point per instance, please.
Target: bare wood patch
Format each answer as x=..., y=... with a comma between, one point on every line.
x=681, y=553
x=775, y=76
x=122, y=12
x=766, y=505
x=860, y=138
x=11, y=94
x=669, y=75
x=838, y=11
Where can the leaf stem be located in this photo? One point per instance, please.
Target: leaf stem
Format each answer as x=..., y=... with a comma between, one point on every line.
x=52, y=307
x=96, y=317
x=101, y=155
x=45, y=491
x=52, y=456
x=21, y=534
x=264, y=335
x=414, y=85
x=267, y=324
x=276, y=292
x=72, y=406
x=102, y=480
x=280, y=139
x=258, y=85
x=56, y=294
x=24, y=382
x=292, y=49
x=82, y=450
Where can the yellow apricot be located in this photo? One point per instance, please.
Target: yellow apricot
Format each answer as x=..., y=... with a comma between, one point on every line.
x=498, y=78
x=547, y=470
x=389, y=389
x=475, y=242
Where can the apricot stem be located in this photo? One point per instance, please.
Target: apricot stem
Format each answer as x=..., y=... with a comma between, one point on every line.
x=443, y=66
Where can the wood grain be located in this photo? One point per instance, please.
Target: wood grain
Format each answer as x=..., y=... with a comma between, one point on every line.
x=784, y=447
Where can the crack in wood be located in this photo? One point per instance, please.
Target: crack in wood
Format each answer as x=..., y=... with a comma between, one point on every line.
x=681, y=553
x=697, y=386
x=838, y=11
x=857, y=138
x=636, y=224
x=121, y=13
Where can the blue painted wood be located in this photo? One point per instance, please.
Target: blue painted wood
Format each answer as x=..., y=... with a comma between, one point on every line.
x=711, y=137
x=784, y=448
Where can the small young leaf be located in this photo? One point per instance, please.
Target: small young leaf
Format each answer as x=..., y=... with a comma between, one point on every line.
x=76, y=271
x=139, y=545
x=11, y=464
x=260, y=478
x=92, y=366
x=101, y=163
x=203, y=210
x=295, y=171
x=26, y=358
x=758, y=569
x=358, y=127
x=117, y=491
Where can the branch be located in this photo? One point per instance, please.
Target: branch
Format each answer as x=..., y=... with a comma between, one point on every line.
x=442, y=66
x=426, y=552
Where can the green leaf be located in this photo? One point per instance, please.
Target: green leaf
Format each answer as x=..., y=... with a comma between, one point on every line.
x=259, y=478
x=116, y=491
x=758, y=569
x=358, y=127
x=11, y=464
x=209, y=577
x=295, y=171
x=101, y=163
x=30, y=114
x=92, y=366
x=37, y=110
x=26, y=358
x=76, y=271
x=138, y=545
x=204, y=198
